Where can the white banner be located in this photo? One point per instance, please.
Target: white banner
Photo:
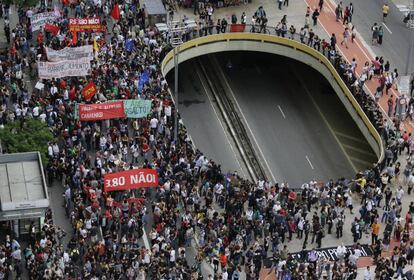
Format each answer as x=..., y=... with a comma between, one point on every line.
x=64, y=68
x=38, y=20
x=83, y=52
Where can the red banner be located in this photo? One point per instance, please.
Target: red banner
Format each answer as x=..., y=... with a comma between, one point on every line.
x=89, y=90
x=52, y=28
x=102, y=111
x=85, y=24
x=131, y=179
x=237, y=27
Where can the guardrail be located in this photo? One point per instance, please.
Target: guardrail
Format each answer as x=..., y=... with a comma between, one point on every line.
x=192, y=40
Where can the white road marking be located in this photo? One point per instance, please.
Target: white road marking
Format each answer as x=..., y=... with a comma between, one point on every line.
x=247, y=124
x=281, y=111
x=350, y=137
x=310, y=163
x=327, y=123
x=366, y=163
x=359, y=150
x=386, y=27
x=222, y=126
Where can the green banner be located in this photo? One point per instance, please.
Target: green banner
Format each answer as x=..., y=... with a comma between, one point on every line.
x=137, y=108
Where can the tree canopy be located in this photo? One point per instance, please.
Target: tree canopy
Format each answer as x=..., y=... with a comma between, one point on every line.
x=26, y=136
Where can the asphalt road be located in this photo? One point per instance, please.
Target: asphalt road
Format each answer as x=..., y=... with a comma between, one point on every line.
x=298, y=139
x=203, y=120
x=397, y=37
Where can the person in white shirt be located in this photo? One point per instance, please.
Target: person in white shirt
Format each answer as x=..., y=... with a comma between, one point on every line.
x=172, y=256
x=50, y=150
x=340, y=252
x=153, y=123
x=367, y=274
x=399, y=194
x=224, y=274
x=36, y=112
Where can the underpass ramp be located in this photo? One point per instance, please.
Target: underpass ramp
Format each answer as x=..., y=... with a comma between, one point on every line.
x=358, y=150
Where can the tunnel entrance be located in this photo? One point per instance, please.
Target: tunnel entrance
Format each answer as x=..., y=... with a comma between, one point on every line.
x=296, y=121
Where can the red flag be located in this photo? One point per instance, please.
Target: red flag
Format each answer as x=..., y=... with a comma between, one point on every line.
x=52, y=28
x=89, y=90
x=115, y=13
x=74, y=38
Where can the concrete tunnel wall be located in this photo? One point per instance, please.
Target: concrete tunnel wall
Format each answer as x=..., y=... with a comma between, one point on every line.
x=302, y=54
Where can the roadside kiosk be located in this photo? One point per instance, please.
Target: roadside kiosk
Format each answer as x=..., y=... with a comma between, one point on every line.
x=23, y=194
x=155, y=12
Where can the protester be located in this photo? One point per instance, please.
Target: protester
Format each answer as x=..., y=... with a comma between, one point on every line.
x=196, y=204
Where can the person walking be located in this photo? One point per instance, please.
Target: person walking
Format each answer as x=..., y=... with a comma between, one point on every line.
x=333, y=41
x=385, y=10
x=346, y=16
x=351, y=11
x=375, y=229
x=390, y=104
x=315, y=16
x=380, y=35
x=374, y=30
x=345, y=37
x=320, y=4
x=367, y=274
x=280, y=3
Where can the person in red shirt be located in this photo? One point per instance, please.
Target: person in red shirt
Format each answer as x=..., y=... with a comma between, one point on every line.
x=39, y=38
x=223, y=260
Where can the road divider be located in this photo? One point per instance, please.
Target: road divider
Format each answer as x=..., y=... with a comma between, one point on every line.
x=232, y=120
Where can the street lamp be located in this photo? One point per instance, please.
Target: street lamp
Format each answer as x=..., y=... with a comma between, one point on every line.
x=175, y=31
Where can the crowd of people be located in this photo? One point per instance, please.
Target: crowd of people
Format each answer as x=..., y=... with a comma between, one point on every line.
x=237, y=226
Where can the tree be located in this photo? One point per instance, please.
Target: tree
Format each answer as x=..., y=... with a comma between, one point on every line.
x=26, y=135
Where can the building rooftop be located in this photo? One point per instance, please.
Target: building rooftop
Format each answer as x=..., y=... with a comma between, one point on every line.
x=22, y=183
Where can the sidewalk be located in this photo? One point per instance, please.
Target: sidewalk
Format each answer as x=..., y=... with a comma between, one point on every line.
x=327, y=25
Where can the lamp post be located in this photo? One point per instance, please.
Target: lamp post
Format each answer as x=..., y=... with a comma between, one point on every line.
x=176, y=53
x=175, y=32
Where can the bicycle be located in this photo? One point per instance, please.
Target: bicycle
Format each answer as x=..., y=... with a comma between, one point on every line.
x=259, y=29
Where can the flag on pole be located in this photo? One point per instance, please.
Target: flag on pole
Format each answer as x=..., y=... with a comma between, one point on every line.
x=52, y=28
x=95, y=45
x=142, y=80
x=115, y=13
x=129, y=45
x=74, y=38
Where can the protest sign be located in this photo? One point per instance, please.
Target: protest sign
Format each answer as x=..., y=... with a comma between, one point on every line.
x=137, y=108
x=331, y=254
x=101, y=111
x=39, y=20
x=64, y=68
x=83, y=52
x=131, y=179
x=85, y=24
x=39, y=85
